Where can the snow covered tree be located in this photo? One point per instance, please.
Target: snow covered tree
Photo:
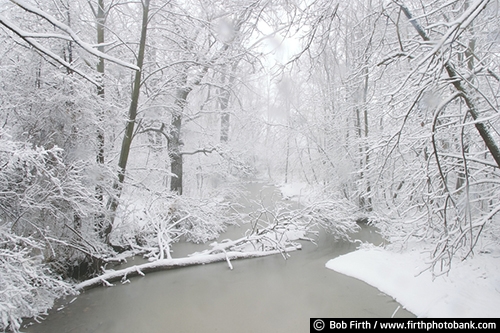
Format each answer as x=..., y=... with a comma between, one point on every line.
x=408, y=93
x=454, y=72
x=29, y=287
x=46, y=227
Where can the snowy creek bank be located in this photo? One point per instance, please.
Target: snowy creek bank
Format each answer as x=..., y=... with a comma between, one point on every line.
x=267, y=294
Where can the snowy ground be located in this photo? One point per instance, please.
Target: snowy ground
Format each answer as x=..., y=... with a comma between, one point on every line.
x=294, y=191
x=471, y=289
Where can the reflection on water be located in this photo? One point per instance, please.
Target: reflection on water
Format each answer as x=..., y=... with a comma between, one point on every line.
x=267, y=294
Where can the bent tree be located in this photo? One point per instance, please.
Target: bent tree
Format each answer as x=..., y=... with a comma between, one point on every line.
x=458, y=26
x=453, y=109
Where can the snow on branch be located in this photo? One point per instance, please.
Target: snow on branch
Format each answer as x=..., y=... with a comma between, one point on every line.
x=271, y=230
x=27, y=37
x=457, y=27
x=164, y=264
x=28, y=287
x=74, y=37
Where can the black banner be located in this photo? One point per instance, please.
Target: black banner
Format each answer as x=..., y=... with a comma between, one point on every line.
x=359, y=324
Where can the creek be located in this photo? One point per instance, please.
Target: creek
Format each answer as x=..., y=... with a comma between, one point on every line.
x=267, y=294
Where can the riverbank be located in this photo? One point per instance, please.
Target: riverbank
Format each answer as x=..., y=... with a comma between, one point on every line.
x=470, y=290
x=268, y=294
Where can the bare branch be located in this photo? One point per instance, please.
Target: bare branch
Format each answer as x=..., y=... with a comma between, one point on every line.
x=40, y=48
x=87, y=47
x=204, y=151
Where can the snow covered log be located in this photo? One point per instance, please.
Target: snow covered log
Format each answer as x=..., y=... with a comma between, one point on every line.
x=164, y=264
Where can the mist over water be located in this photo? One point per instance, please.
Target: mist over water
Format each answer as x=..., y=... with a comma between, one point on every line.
x=267, y=294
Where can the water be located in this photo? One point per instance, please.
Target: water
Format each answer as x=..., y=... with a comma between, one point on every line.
x=267, y=294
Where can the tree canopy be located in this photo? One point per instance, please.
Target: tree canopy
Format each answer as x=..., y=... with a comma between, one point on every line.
x=118, y=117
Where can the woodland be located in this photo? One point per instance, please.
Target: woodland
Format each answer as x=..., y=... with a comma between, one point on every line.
x=128, y=125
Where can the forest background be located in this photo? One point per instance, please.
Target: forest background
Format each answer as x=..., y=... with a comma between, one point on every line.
x=128, y=125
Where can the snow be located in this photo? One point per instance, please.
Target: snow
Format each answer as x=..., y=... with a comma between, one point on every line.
x=87, y=47
x=198, y=259
x=27, y=36
x=470, y=289
x=293, y=191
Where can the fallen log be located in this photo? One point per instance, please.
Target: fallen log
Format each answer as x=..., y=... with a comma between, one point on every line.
x=164, y=264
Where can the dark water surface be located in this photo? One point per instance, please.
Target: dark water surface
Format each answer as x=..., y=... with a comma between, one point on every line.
x=267, y=294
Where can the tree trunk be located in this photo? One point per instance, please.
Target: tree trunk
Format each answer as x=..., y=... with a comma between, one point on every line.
x=368, y=202
x=129, y=129
x=365, y=200
x=456, y=81
x=225, y=118
x=224, y=97
x=100, y=20
x=175, y=143
x=165, y=264
x=69, y=49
